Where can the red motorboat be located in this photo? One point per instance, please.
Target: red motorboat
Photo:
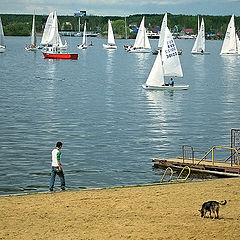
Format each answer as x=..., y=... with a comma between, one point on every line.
x=58, y=53
x=73, y=56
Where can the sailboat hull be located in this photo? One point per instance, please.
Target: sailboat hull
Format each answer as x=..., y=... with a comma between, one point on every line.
x=2, y=49
x=229, y=54
x=81, y=47
x=31, y=49
x=67, y=56
x=140, y=50
x=172, y=88
x=200, y=53
x=107, y=46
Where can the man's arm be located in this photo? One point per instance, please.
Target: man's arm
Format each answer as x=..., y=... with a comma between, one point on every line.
x=59, y=160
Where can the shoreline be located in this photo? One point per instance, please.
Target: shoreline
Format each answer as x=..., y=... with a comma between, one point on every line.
x=138, y=212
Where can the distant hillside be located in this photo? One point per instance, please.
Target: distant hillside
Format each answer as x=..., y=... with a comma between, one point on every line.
x=20, y=25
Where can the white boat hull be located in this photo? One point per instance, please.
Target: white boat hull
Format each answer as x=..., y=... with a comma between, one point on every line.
x=31, y=49
x=173, y=88
x=201, y=53
x=140, y=50
x=229, y=54
x=107, y=46
x=81, y=47
x=2, y=49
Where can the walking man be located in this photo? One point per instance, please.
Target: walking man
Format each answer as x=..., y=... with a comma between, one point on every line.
x=57, y=167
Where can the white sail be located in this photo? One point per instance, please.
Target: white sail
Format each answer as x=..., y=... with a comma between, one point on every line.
x=156, y=77
x=1, y=33
x=2, y=45
x=142, y=40
x=170, y=58
x=84, y=39
x=54, y=36
x=111, y=40
x=229, y=44
x=33, y=35
x=199, y=45
x=238, y=44
x=162, y=32
x=47, y=29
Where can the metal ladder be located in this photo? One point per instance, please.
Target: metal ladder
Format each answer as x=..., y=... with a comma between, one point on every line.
x=178, y=178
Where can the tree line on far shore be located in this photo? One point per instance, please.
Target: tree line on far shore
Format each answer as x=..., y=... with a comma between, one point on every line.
x=20, y=25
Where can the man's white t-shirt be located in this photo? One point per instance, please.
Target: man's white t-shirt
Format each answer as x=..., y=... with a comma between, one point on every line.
x=56, y=154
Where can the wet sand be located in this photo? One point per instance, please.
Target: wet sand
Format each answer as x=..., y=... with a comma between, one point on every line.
x=167, y=211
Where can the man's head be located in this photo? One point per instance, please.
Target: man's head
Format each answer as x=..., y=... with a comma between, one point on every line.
x=59, y=145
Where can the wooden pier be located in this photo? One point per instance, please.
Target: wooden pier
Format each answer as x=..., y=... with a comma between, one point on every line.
x=217, y=168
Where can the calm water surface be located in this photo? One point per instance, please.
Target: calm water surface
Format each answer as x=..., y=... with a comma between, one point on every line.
x=111, y=128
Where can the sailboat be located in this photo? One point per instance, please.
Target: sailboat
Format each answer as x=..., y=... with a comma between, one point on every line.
x=111, y=41
x=2, y=45
x=48, y=37
x=141, y=44
x=199, y=45
x=33, y=45
x=84, y=39
x=54, y=48
x=161, y=35
x=231, y=44
x=167, y=64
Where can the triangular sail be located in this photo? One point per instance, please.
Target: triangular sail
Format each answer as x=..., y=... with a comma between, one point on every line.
x=170, y=58
x=156, y=77
x=47, y=29
x=142, y=40
x=229, y=43
x=1, y=33
x=111, y=40
x=238, y=44
x=54, y=37
x=199, y=45
x=162, y=32
x=33, y=35
x=84, y=40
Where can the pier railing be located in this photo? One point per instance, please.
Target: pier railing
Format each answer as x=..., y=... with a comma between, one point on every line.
x=211, y=151
x=187, y=152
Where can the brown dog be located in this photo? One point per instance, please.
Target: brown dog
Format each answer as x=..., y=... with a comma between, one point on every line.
x=211, y=207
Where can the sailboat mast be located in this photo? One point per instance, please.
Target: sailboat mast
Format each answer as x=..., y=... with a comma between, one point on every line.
x=33, y=37
x=198, y=24
x=126, y=28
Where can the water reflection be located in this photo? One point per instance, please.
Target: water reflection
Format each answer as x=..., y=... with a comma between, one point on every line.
x=198, y=64
x=166, y=113
x=109, y=92
x=51, y=69
x=157, y=109
x=230, y=79
x=110, y=61
x=230, y=64
x=142, y=65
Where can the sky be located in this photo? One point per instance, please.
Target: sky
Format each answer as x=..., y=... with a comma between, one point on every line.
x=122, y=7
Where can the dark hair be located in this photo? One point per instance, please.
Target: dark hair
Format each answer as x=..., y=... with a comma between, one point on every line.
x=59, y=144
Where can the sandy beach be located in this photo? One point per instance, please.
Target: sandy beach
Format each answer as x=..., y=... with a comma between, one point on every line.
x=168, y=211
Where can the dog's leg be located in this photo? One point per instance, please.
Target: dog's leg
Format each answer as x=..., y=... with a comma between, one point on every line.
x=210, y=213
x=217, y=211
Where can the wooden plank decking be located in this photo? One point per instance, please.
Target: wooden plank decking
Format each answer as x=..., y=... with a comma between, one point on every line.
x=205, y=166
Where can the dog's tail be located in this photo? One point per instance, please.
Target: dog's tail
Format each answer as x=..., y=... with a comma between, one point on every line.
x=223, y=202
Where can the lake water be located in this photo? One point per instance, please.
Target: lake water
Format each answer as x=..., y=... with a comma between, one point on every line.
x=110, y=127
